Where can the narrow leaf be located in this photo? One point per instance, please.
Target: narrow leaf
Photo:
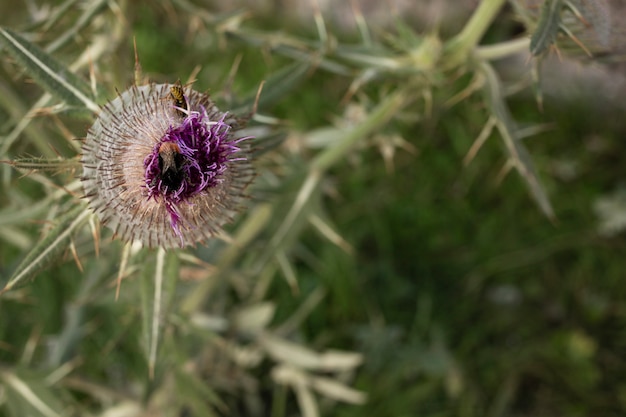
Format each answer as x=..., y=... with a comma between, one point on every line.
x=92, y=10
x=157, y=292
x=299, y=381
x=294, y=220
x=14, y=103
x=535, y=74
x=255, y=223
x=44, y=164
x=254, y=318
x=547, y=28
x=517, y=152
x=156, y=311
x=303, y=357
x=374, y=121
x=15, y=214
x=47, y=72
x=277, y=85
x=336, y=390
x=196, y=394
x=52, y=244
x=29, y=396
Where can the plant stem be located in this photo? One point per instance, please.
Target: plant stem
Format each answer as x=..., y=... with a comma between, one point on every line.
x=375, y=120
x=460, y=46
x=503, y=49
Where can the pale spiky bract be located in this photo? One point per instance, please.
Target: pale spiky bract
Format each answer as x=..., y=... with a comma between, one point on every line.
x=163, y=174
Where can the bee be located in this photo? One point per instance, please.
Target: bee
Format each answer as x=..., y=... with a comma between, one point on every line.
x=177, y=94
x=170, y=164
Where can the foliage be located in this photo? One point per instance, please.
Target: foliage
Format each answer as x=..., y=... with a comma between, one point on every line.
x=371, y=274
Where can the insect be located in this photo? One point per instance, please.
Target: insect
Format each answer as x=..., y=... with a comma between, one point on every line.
x=170, y=163
x=177, y=94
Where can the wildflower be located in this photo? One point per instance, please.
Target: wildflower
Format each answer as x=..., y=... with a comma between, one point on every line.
x=164, y=166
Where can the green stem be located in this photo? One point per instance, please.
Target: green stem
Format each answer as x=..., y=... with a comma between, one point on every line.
x=376, y=119
x=462, y=44
x=503, y=49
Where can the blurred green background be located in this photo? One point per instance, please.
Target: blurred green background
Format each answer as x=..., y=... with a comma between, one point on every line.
x=464, y=299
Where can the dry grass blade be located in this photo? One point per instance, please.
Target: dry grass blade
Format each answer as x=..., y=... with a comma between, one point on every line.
x=288, y=271
x=337, y=391
x=305, y=358
x=300, y=383
x=304, y=310
x=611, y=211
x=480, y=140
x=254, y=318
x=331, y=234
x=294, y=216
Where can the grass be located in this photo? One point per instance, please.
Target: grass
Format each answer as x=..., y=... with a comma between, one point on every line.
x=462, y=297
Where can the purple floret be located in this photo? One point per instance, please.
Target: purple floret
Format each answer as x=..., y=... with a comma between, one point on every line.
x=205, y=150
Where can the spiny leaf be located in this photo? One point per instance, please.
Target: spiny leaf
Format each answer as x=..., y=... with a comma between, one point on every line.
x=296, y=217
x=278, y=85
x=47, y=72
x=547, y=28
x=308, y=52
x=52, y=244
x=44, y=164
x=517, y=152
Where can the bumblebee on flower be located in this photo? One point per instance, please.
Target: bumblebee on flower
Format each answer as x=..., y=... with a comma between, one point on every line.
x=163, y=165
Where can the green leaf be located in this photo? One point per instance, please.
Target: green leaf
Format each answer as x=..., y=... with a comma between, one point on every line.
x=26, y=395
x=278, y=85
x=44, y=164
x=52, y=244
x=12, y=101
x=517, y=152
x=159, y=280
x=194, y=394
x=92, y=10
x=374, y=121
x=294, y=221
x=547, y=28
x=535, y=75
x=47, y=72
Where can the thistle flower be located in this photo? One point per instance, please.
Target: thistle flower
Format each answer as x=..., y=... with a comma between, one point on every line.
x=164, y=166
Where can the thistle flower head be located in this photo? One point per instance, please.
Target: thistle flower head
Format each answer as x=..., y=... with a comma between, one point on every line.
x=165, y=166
